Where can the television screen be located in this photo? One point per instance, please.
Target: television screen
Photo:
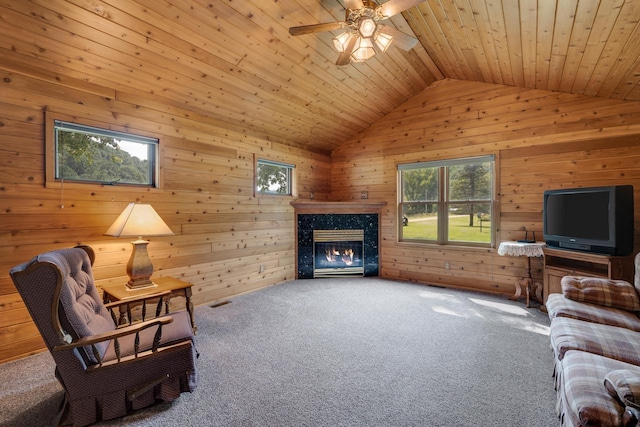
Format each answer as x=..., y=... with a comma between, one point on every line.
x=583, y=215
x=596, y=219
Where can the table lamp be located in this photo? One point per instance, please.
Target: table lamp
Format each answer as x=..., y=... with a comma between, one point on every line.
x=137, y=220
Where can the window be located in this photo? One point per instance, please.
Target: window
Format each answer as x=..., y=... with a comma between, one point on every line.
x=447, y=202
x=274, y=177
x=90, y=154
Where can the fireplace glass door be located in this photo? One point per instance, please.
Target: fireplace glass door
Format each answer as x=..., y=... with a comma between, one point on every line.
x=338, y=253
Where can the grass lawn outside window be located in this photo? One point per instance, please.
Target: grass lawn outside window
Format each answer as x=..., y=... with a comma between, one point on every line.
x=459, y=229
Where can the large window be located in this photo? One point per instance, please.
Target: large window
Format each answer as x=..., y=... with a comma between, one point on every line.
x=274, y=177
x=91, y=154
x=447, y=202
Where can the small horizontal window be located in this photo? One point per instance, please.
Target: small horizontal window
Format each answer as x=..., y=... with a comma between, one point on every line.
x=274, y=177
x=90, y=154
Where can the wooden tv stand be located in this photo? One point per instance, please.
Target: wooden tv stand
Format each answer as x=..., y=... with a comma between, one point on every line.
x=562, y=262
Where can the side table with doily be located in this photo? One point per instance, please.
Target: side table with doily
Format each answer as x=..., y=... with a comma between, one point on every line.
x=529, y=250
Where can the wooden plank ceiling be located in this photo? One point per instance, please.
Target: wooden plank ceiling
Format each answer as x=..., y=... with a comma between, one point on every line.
x=233, y=62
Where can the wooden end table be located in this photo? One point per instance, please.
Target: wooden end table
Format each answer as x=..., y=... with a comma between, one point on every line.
x=113, y=293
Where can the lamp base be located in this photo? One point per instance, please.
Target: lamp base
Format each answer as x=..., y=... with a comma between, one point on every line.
x=139, y=267
x=134, y=285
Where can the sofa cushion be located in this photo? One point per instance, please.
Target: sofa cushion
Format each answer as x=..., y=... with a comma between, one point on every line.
x=583, y=397
x=625, y=385
x=559, y=306
x=605, y=292
x=609, y=341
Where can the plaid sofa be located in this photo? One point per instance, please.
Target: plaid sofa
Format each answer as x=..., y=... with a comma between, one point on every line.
x=595, y=337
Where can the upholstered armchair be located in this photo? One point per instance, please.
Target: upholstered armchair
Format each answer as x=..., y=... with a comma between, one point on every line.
x=105, y=370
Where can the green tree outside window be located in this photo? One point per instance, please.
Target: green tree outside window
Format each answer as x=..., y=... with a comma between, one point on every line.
x=273, y=177
x=89, y=154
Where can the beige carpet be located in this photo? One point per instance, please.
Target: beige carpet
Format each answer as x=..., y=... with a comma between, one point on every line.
x=343, y=352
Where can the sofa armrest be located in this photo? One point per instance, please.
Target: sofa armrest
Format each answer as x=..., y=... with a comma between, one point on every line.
x=604, y=292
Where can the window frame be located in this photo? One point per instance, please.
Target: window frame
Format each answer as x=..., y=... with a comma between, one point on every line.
x=290, y=172
x=112, y=130
x=443, y=202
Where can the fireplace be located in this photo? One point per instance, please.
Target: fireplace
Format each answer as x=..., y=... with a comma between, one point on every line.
x=338, y=253
x=348, y=227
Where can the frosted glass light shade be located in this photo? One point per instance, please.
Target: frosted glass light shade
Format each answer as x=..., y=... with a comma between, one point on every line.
x=364, y=50
x=367, y=27
x=341, y=42
x=383, y=41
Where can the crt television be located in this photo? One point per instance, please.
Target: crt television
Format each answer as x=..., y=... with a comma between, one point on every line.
x=596, y=219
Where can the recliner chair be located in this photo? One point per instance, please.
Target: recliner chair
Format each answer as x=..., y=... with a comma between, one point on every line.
x=106, y=371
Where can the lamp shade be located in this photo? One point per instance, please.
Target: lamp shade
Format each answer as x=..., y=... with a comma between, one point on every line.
x=139, y=219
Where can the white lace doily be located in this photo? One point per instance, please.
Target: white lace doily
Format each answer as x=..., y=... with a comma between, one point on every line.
x=521, y=249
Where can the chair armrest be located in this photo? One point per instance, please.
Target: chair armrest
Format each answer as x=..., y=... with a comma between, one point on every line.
x=135, y=329
x=116, y=333
x=139, y=356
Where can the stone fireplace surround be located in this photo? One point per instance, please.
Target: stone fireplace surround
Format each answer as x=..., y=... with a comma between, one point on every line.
x=319, y=215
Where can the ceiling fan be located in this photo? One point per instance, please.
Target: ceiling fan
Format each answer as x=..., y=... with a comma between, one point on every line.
x=363, y=36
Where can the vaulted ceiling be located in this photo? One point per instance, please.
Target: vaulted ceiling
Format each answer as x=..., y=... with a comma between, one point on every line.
x=235, y=63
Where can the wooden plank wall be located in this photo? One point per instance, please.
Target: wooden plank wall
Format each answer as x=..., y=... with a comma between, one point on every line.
x=542, y=140
x=223, y=233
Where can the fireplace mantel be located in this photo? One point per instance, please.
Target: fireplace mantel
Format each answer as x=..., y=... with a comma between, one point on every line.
x=320, y=207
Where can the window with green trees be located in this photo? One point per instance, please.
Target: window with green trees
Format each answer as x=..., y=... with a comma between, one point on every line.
x=274, y=177
x=447, y=202
x=90, y=154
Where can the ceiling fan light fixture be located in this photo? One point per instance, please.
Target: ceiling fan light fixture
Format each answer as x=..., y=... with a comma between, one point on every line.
x=340, y=42
x=361, y=36
x=364, y=51
x=367, y=27
x=383, y=41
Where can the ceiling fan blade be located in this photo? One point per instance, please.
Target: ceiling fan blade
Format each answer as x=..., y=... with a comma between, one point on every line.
x=345, y=57
x=353, y=4
x=315, y=28
x=400, y=39
x=393, y=7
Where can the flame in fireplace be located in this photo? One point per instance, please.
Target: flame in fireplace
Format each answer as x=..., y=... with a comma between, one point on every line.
x=333, y=254
x=347, y=257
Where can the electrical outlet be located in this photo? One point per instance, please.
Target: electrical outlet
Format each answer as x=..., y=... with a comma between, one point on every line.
x=446, y=265
x=364, y=195
x=261, y=269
